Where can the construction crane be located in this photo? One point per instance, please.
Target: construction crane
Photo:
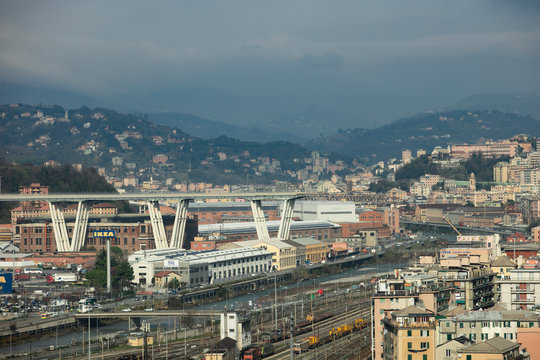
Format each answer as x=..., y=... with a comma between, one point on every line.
x=452, y=225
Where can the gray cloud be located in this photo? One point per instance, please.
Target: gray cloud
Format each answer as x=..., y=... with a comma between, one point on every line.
x=329, y=60
x=276, y=50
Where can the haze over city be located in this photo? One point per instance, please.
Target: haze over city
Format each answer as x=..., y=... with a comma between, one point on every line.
x=361, y=63
x=248, y=180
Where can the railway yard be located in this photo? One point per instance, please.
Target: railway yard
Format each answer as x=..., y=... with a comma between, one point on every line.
x=329, y=320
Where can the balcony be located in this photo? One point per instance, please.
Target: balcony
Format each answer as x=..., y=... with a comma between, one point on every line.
x=523, y=301
x=522, y=291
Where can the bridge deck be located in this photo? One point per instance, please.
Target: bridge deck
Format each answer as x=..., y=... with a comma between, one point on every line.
x=164, y=313
x=150, y=196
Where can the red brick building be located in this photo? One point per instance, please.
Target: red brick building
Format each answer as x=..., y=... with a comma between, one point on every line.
x=132, y=234
x=516, y=237
x=216, y=213
x=373, y=220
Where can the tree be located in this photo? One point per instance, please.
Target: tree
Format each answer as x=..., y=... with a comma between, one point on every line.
x=121, y=271
x=174, y=284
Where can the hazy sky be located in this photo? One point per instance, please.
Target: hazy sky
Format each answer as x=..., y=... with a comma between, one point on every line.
x=403, y=56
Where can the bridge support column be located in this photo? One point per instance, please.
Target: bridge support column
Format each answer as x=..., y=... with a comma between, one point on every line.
x=81, y=223
x=260, y=221
x=59, y=228
x=179, y=228
x=134, y=323
x=286, y=216
x=160, y=238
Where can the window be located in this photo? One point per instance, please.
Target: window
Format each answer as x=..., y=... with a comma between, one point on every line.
x=469, y=357
x=409, y=357
x=424, y=345
x=448, y=337
x=409, y=332
x=461, y=325
x=448, y=352
x=409, y=345
x=424, y=357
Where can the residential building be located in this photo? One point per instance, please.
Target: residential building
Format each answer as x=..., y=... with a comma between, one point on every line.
x=485, y=324
x=493, y=349
x=474, y=285
x=162, y=278
x=383, y=303
x=521, y=289
x=409, y=334
x=448, y=349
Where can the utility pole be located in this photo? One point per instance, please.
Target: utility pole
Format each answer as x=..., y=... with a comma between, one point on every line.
x=145, y=343
x=89, y=344
x=275, y=300
x=109, y=267
x=291, y=352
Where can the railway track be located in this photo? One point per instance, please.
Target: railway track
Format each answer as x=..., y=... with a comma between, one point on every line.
x=282, y=347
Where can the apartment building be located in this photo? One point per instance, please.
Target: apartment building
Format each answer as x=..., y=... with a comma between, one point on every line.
x=496, y=348
x=474, y=285
x=521, y=289
x=486, y=324
x=409, y=334
x=383, y=303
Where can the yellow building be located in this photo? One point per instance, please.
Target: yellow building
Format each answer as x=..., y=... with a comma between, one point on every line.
x=493, y=349
x=410, y=335
x=500, y=172
x=315, y=251
x=502, y=266
x=162, y=278
x=137, y=339
x=283, y=254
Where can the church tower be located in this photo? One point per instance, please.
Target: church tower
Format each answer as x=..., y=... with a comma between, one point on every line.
x=472, y=182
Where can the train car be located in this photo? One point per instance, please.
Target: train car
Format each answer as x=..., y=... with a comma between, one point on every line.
x=272, y=336
x=303, y=345
x=259, y=351
x=340, y=331
x=359, y=324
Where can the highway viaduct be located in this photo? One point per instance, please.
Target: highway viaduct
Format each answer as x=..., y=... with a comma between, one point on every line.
x=152, y=201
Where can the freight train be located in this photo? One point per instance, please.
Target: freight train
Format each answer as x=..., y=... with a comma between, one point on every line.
x=336, y=332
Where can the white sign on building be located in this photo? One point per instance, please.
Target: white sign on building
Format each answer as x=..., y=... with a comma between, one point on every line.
x=170, y=263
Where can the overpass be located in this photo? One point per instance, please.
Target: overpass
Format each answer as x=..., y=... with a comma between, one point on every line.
x=462, y=229
x=147, y=314
x=152, y=199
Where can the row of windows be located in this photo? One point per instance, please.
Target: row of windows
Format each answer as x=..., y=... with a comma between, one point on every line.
x=488, y=324
x=243, y=271
x=421, y=332
x=238, y=261
x=410, y=357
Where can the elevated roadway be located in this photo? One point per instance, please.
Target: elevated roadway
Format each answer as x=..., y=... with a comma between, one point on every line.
x=462, y=229
x=161, y=238
x=146, y=314
x=149, y=196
